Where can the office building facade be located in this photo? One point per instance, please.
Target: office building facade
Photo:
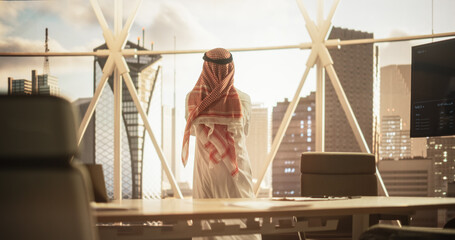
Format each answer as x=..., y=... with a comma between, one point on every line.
x=396, y=92
x=355, y=67
x=411, y=178
x=19, y=86
x=145, y=72
x=87, y=145
x=442, y=152
x=258, y=144
x=408, y=177
x=299, y=137
x=396, y=102
x=44, y=84
x=48, y=85
x=395, y=142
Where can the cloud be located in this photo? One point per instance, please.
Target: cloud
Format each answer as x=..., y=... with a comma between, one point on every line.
x=77, y=13
x=80, y=13
x=74, y=12
x=10, y=10
x=4, y=29
x=172, y=19
x=21, y=45
x=175, y=20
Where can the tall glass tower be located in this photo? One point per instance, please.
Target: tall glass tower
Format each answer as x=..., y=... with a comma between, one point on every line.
x=355, y=66
x=145, y=72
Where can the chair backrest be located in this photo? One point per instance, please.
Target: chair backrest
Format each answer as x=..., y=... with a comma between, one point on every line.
x=338, y=174
x=43, y=194
x=36, y=127
x=382, y=231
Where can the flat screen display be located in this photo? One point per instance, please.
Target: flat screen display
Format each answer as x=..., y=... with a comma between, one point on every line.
x=433, y=89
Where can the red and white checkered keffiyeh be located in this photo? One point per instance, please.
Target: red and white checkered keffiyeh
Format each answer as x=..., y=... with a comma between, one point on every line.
x=214, y=102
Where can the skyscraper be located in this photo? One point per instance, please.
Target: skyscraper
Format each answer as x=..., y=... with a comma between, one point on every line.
x=355, y=68
x=145, y=72
x=442, y=151
x=299, y=137
x=411, y=177
x=48, y=85
x=19, y=86
x=44, y=84
x=87, y=145
x=396, y=92
x=408, y=177
x=258, y=142
x=395, y=142
x=396, y=102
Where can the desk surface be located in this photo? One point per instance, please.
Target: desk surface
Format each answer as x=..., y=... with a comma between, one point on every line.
x=186, y=209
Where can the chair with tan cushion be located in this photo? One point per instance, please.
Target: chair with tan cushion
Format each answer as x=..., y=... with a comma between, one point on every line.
x=339, y=174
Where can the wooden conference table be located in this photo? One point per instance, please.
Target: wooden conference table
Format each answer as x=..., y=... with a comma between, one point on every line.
x=179, y=218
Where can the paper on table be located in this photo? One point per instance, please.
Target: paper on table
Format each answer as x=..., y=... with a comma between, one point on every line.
x=267, y=204
x=109, y=206
x=304, y=199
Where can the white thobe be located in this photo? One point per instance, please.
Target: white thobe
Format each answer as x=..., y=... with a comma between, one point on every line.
x=214, y=180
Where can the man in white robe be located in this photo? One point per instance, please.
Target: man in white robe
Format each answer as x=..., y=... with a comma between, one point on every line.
x=218, y=116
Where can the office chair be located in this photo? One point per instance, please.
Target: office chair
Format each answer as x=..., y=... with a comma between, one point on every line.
x=340, y=174
x=43, y=194
x=336, y=174
x=389, y=232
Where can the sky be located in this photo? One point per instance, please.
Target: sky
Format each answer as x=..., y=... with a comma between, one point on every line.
x=267, y=76
x=203, y=24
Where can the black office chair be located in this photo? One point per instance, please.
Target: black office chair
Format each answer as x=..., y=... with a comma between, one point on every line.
x=389, y=232
x=43, y=194
x=340, y=174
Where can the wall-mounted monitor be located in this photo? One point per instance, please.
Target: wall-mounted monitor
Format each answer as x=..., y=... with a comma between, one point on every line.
x=433, y=89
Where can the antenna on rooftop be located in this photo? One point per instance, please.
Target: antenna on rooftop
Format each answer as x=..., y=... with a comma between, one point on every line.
x=143, y=37
x=46, y=58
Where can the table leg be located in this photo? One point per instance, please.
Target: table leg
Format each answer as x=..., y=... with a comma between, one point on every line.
x=360, y=223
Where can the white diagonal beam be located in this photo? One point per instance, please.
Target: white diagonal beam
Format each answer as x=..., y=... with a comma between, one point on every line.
x=318, y=51
x=321, y=56
x=281, y=130
x=117, y=109
x=107, y=71
x=320, y=93
x=132, y=90
x=115, y=46
x=325, y=59
x=347, y=108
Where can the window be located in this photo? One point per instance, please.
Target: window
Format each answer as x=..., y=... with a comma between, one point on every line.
x=278, y=73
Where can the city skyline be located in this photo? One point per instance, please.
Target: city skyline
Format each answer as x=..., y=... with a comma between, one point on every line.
x=164, y=20
x=199, y=34
x=43, y=84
